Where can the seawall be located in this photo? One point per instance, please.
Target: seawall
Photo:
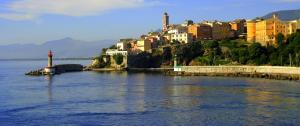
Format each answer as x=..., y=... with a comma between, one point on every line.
x=62, y=68
x=269, y=72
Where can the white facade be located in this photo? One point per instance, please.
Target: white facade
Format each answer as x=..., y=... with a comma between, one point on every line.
x=182, y=37
x=122, y=46
x=112, y=52
x=177, y=31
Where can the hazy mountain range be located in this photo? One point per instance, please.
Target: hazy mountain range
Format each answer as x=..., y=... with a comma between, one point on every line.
x=286, y=14
x=62, y=48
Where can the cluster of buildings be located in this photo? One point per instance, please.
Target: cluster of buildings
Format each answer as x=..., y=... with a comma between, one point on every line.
x=183, y=33
x=263, y=31
x=206, y=30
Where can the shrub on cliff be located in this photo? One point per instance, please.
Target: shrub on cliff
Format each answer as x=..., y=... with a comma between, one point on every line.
x=118, y=59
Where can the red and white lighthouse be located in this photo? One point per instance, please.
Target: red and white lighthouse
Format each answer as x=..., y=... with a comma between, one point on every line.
x=50, y=58
x=50, y=69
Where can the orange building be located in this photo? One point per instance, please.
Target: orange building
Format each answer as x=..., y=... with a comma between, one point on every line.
x=265, y=31
x=200, y=31
x=238, y=26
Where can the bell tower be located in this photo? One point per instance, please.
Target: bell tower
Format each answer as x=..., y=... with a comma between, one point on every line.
x=165, y=21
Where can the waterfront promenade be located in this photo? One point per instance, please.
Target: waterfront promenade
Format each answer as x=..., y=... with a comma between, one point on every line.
x=271, y=72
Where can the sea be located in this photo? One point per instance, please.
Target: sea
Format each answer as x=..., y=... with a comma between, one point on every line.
x=141, y=99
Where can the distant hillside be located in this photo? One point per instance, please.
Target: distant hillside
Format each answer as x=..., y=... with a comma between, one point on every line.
x=286, y=14
x=62, y=48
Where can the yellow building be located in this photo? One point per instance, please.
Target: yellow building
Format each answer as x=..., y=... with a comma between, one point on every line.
x=251, y=31
x=144, y=45
x=265, y=31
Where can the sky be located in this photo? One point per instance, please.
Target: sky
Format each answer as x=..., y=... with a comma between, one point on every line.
x=38, y=21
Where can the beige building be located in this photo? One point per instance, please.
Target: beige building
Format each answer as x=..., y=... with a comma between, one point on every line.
x=177, y=29
x=144, y=45
x=182, y=37
x=220, y=30
x=293, y=26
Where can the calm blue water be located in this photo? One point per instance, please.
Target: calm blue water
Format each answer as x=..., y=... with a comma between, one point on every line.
x=121, y=98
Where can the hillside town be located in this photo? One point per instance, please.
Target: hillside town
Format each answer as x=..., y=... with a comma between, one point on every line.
x=242, y=32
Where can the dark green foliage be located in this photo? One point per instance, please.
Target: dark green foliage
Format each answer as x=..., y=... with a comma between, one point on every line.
x=279, y=39
x=167, y=55
x=102, y=63
x=257, y=54
x=240, y=55
x=103, y=51
x=187, y=52
x=113, y=47
x=145, y=60
x=118, y=59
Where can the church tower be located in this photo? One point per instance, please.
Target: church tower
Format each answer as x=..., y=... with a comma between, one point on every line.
x=165, y=21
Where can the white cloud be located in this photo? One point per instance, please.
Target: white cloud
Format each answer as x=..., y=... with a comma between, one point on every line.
x=32, y=9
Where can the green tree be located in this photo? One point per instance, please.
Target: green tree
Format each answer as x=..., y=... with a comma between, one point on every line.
x=279, y=39
x=113, y=47
x=243, y=56
x=103, y=51
x=255, y=53
x=118, y=59
x=128, y=45
x=167, y=54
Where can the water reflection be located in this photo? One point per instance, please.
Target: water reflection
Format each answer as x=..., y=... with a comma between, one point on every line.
x=183, y=96
x=129, y=92
x=135, y=96
x=50, y=81
x=268, y=101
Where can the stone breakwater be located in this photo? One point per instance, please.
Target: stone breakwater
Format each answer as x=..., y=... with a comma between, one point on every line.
x=269, y=72
x=62, y=68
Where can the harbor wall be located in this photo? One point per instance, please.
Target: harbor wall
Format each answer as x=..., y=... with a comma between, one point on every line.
x=242, y=69
x=268, y=72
